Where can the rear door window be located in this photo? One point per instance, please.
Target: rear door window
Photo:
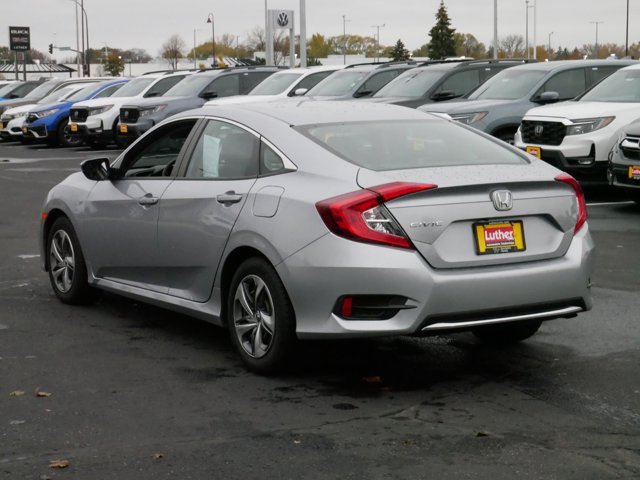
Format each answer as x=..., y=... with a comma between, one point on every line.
x=311, y=81
x=460, y=83
x=162, y=85
x=224, y=86
x=250, y=80
x=376, y=82
x=600, y=73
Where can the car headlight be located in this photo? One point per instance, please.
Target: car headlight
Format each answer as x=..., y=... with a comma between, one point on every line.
x=588, y=125
x=98, y=111
x=8, y=117
x=468, y=118
x=46, y=113
x=150, y=111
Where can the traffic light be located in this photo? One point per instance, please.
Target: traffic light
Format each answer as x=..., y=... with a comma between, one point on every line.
x=51, y=48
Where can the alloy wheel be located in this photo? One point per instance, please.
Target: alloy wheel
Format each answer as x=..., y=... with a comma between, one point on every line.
x=254, y=316
x=62, y=261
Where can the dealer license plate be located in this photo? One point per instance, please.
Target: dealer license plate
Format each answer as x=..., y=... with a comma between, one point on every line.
x=73, y=127
x=25, y=130
x=535, y=151
x=123, y=128
x=499, y=237
x=1, y=125
x=634, y=172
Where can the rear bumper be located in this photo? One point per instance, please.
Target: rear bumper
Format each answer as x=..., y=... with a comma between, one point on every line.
x=455, y=299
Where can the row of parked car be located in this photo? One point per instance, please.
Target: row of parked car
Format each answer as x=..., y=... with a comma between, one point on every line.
x=571, y=114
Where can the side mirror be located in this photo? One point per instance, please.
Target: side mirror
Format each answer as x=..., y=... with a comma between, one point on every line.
x=96, y=169
x=548, y=97
x=300, y=92
x=209, y=95
x=363, y=93
x=152, y=94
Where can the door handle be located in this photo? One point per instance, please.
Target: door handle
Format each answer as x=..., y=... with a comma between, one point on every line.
x=147, y=200
x=229, y=198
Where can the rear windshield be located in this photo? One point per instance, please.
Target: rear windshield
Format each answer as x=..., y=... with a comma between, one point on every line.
x=275, y=84
x=509, y=84
x=134, y=87
x=622, y=86
x=340, y=83
x=411, y=84
x=398, y=145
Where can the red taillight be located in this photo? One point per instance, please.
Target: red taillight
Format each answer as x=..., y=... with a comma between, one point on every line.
x=361, y=216
x=582, y=203
x=346, y=307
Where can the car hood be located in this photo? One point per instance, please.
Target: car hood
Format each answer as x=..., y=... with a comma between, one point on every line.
x=574, y=110
x=59, y=106
x=101, y=102
x=16, y=102
x=21, y=109
x=155, y=101
x=463, y=106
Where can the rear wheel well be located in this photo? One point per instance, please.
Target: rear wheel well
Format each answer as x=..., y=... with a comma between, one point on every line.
x=52, y=216
x=231, y=264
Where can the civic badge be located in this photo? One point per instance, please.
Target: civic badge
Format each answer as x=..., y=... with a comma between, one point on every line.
x=537, y=131
x=502, y=200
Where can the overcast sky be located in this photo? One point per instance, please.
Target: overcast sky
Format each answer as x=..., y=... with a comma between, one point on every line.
x=148, y=23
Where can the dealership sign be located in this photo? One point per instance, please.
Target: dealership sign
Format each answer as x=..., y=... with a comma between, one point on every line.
x=19, y=38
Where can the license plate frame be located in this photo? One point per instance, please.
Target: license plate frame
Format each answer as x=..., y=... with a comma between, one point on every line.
x=634, y=172
x=499, y=242
x=535, y=151
x=73, y=127
x=123, y=128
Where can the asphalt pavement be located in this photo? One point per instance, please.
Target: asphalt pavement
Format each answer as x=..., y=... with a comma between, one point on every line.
x=123, y=390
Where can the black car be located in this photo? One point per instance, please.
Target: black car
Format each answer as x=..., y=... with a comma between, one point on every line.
x=360, y=80
x=440, y=80
x=624, y=163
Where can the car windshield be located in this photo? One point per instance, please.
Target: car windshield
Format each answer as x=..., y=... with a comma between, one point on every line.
x=275, y=84
x=7, y=88
x=190, y=86
x=340, y=83
x=40, y=91
x=60, y=94
x=134, y=87
x=398, y=145
x=622, y=86
x=508, y=85
x=411, y=84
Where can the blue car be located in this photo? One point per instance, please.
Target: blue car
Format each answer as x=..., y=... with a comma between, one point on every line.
x=49, y=123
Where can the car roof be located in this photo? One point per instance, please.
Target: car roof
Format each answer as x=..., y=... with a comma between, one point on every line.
x=296, y=112
x=245, y=68
x=567, y=64
x=368, y=67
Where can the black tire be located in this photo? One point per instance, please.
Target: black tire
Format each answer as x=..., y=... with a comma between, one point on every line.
x=507, y=333
x=264, y=345
x=67, y=268
x=65, y=139
x=25, y=140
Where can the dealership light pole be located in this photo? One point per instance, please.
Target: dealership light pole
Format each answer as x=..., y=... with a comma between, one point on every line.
x=626, y=43
x=85, y=22
x=303, y=33
x=344, y=39
x=596, y=47
x=378, y=27
x=535, y=28
x=550, y=33
x=495, y=29
x=213, y=38
x=195, y=66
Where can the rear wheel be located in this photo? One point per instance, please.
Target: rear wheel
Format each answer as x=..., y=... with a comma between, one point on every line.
x=507, y=333
x=67, y=268
x=260, y=317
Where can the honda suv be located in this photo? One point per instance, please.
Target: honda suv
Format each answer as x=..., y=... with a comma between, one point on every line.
x=192, y=92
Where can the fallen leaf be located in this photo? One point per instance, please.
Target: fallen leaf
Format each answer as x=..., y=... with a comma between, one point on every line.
x=373, y=379
x=40, y=393
x=16, y=393
x=158, y=456
x=482, y=434
x=58, y=463
x=297, y=442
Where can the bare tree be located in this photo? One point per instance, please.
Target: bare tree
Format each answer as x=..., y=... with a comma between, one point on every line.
x=173, y=50
x=512, y=45
x=256, y=40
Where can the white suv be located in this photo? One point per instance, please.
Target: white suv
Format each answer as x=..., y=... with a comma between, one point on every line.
x=577, y=136
x=96, y=120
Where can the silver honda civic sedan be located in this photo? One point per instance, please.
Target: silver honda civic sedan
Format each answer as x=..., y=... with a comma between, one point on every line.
x=298, y=220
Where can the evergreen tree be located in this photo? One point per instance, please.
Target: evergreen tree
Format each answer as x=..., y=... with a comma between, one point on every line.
x=442, y=42
x=399, y=53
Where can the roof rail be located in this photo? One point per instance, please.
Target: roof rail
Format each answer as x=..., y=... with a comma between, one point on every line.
x=383, y=64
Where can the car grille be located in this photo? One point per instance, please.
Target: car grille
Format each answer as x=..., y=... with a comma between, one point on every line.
x=552, y=133
x=129, y=115
x=630, y=148
x=79, y=114
x=31, y=118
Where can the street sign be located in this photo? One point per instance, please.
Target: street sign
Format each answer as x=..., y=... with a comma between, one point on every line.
x=19, y=38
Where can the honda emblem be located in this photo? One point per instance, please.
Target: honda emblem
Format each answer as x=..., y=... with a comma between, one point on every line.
x=537, y=131
x=502, y=200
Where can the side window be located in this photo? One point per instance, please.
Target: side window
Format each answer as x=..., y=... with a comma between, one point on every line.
x=460, y=83
x=600, y=73
x=224, y=86
x=311, y=81
x=270, y=161
x=568, y=84
x=107, y=92
x=157, y=155
x=251, y=80
x=489, y=72
x=162, y=85
x=224, y=151
x=377, y=81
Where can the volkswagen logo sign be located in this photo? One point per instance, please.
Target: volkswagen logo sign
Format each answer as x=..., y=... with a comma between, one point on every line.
x=283, y=19
x=537, y=131
x=502, y=200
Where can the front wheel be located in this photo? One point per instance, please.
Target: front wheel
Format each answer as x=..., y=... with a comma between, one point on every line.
x=65, y=138
x=67, y=268
x=260, y=317
x=507, y=333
